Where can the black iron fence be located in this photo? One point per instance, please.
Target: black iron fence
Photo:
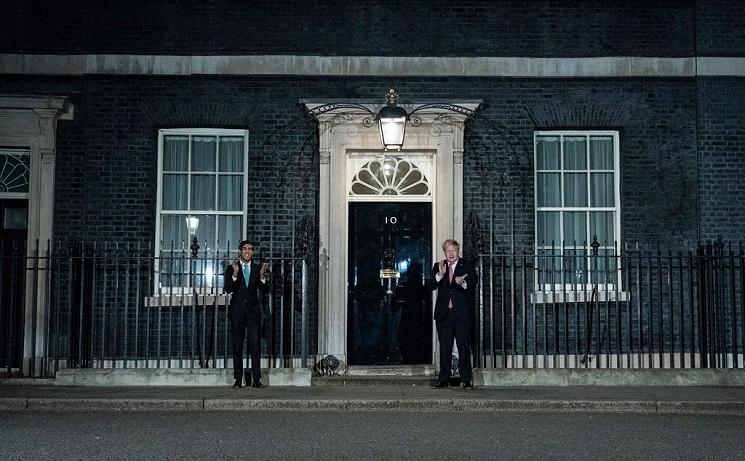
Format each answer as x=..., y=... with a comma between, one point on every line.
x=576, y=308
x=118, y=306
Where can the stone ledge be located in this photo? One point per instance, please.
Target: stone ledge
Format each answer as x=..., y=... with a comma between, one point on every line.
x=608, y=377
x=533, y=405
x=314, y=65
x=66, y=404
x=701, y=408
x=13, y=403
x=26, y=381
x=176, y=377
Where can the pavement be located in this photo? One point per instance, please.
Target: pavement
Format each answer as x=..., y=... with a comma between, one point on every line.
x=719, y=400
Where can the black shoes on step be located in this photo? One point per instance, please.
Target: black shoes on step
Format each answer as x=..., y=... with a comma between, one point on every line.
x=444, y=385
x=239, y=384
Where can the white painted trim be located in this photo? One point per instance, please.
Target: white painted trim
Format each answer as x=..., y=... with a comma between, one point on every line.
x=387, y=66
x=30, y=123
x=341, y=137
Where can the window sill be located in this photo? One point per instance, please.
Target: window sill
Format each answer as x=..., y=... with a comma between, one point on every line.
x=186, y=300
x=583, y=296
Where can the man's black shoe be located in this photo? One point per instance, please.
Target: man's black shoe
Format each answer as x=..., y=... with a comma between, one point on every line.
x=467, y=385
x=237, y=384
x=257, y=384
x=441, y=385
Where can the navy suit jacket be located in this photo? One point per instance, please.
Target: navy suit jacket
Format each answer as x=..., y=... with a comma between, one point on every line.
x=462, y=297
x=245, y=299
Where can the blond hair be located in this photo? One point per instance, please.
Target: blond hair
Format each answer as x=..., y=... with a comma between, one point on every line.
x=449, y=242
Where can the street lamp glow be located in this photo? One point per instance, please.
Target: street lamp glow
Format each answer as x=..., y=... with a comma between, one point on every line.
x=192, y=223
x=392, y=122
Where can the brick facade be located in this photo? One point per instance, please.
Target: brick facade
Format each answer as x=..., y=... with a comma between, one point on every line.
x=106, y=179
x=721, y=132
x=337, y=27
x=719, y=30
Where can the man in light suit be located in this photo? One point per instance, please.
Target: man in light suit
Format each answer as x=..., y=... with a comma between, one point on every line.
x=454, y=279
x=244, y=279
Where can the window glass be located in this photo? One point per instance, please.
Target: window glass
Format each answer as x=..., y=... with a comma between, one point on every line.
x=575, y=153
x=203, y=175
x=576, y=199
x=204, y=153
x=547, y=153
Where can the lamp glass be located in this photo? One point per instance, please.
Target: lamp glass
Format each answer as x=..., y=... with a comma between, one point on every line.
x=392, y=132
x=192, y=223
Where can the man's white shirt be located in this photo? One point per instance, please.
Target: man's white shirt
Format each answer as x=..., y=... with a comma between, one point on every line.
x=439, y=276
x=248, y=264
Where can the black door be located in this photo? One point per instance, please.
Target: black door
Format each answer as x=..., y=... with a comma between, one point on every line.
x=389, y=310
x=13, y=230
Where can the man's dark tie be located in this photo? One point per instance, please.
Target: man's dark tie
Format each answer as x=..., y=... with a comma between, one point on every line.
x=450, y=276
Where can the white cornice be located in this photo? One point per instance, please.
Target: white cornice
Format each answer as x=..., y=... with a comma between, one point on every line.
x=34, y=106
x=387, y=66
x=711, y=66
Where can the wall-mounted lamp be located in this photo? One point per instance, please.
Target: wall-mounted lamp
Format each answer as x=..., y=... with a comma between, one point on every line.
x=192, y=223
x=392, y=122
x=391, y=118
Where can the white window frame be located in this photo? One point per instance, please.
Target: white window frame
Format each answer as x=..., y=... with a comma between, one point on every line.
x=566, y=292
x=159, y=288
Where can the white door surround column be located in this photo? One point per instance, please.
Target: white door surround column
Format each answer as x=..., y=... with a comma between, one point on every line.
x=343, y=133
x=30, y=122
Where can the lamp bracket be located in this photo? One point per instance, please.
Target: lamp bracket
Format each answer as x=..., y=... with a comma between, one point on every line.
x=316, y=111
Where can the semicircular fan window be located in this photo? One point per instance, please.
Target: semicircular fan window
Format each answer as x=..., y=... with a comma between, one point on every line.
x=389, y=176
x=14, y=171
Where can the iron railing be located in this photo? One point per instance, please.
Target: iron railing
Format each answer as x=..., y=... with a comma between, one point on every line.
x=576, y=309
x=117, y=306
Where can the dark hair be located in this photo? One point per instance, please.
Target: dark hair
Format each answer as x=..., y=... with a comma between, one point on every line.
x=245, y=242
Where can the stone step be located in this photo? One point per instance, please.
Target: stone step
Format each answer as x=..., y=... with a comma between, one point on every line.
x=390, y=370
x=383, y=380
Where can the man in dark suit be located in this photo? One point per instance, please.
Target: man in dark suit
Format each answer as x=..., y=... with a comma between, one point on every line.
x=454, y=279
x=244, y=279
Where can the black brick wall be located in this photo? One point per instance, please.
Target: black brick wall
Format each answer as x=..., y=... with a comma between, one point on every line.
x=337, y=27
x=656, y=120
x=107, y=190
x=719, y=27
x=721, y=145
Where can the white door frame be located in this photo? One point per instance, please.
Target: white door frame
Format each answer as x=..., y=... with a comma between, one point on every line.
x=440, y=133
x=30, y=122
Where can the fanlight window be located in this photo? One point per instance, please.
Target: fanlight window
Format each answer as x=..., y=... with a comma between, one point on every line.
x=389, y=176
x=14, y=171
